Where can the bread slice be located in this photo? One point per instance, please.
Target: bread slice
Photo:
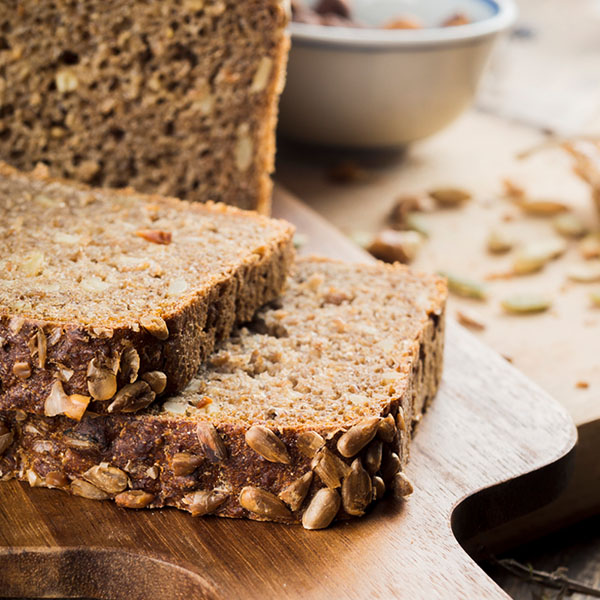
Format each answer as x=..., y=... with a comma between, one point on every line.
x=176, y=97
x=111, y=297
x=306, y=414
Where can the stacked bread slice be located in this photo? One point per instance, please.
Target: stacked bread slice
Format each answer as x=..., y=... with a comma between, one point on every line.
x=234, y=394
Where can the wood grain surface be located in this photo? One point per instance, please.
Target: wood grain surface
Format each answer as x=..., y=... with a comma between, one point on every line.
x=493, y=445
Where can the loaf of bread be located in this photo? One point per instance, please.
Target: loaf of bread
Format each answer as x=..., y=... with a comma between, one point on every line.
x=109, y=298
x=176, y=97
x=303, y=415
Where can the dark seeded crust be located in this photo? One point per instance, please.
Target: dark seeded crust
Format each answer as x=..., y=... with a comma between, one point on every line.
x=194, y=329
x=167, y=97
x=144, y=445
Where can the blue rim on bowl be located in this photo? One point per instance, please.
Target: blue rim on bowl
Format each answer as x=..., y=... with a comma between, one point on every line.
x=505, y=14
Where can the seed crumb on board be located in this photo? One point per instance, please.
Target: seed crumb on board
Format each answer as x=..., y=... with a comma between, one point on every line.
x=582, y=385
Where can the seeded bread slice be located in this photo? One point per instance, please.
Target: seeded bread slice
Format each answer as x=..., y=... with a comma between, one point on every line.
x=109, y=298
x=176, y=97
x=305, y=415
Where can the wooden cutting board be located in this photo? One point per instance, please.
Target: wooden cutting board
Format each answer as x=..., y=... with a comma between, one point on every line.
x=492, y=446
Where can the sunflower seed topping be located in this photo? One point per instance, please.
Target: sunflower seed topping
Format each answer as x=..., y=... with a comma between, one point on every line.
x=263, y=441
x=357, y=490
x=329, y=467
x=309, y=443
x=401, y=486
x=80, y=487
x=322, y=509
x=157, y=380
x=185, y=463
x=101, y=381
x=131, y=398
x=358, y=436
x=211, y=442
x=373, y=457
x=134, y=499
x=387, y=429
x=263, y=503
x=295, y=493
x=204, y=502
x=109, y=479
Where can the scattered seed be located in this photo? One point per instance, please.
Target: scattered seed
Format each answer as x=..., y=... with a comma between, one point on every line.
x=450, y=197
x=470, y=319
x=533, y=256
x=467, y=288
x=590, y=246
x=542, y=208
x=404, y=205
x=582, y=385
x=361, y=238
x=401, y=486
x=595, y=297
x=300, y=240
x=526, y=303
x=415, y=222
x=134, y=499
x=391, y=246
x=569, y=225
x=500, y=241
x=585, y=273
x=513, y=190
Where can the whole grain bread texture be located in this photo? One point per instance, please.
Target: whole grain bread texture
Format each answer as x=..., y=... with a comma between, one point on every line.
x=304, y=415
x=109, y=299
x=177, y=97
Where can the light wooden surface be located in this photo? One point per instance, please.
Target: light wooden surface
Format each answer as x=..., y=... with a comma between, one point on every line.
x=489, y=426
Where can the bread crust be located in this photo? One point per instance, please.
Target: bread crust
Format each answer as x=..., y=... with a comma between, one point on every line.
x=208, y=317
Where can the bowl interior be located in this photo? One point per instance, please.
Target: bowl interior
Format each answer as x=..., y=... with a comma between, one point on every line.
x=431, y=13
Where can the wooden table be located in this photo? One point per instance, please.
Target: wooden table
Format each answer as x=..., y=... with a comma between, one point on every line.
x=546, y=78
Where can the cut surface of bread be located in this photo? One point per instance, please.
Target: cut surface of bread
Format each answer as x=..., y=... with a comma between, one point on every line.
x=304, y=415
x=100, y=287
x=177, y=97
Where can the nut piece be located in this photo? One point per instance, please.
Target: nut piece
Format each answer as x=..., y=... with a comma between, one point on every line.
x=131, y=398
x=322, y=509
x=109, y=479
x=204, y=502
x=211, y=442
x=244, y=149
x=80, y=487
x=130, y=364
x=185, y=463
x=309, y=443
x=6, y=438
x=358, y=436
x=58, y=403
x=263, y=503
x=293, y=495
x=373, y=457
x=157, y=380
x=156, y=236
x=357, y=490
x=378, y=488
x=390, y=466
x=22, y=370
x=134, y=499
x=450, y=197
x=401, y=486
x=262, y=74
x=267, y=444
x=155, y=326
x=329, y=467
x=387, y=429
x=101, y=381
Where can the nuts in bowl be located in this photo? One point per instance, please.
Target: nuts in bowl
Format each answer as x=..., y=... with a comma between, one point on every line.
x=384, y=73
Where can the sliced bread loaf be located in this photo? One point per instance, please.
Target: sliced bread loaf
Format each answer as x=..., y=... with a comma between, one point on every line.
x=113, y=297
x=306, y=414
x=177, y=97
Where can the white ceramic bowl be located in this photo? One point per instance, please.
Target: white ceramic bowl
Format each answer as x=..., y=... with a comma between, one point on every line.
x=376, y=88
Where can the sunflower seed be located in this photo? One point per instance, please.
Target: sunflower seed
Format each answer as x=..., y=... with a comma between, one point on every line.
x=391, y=246
x=585, y=273
x=185, y=463
x=34, y=479
x=378, y=488
x=533, y=256
x=569, y=225
x=101, y=381
x=590, y=246
x=542, y=208
x=211, y=442
x=130, y=364
x=309, y=443
x=526, y=303
x=155, y=326
x=387, y=429
x=38, y=346
x=134, y=499
x=357, y=490
x=401, y=486
x=400, y=422
x=6, y=438
x=322, y=509
x=329, y=467
x=595, y=297
x=131, y=398
x=467, y=288
x=157, y=380
x=109, y=479
x=390, y=466
x=204, y=502
x=56, y=479
x=415, y=222
x=80, y=487
x=373, y=457
x=358, y=436
x=267, y=444
x=470, y=319
x=263, y=503
x=295, y=493
x=450, y=196
x=500, y=241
